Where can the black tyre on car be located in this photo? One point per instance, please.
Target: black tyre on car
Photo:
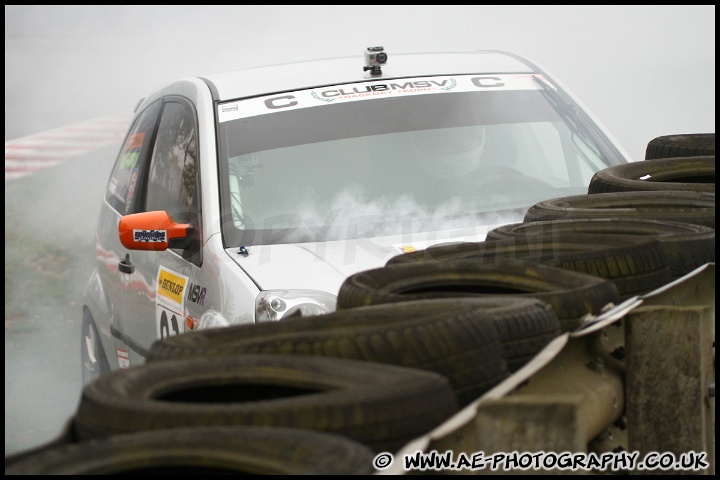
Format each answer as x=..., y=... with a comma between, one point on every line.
x=93, y=362
x=687, y=246
x=381, y=406
x=204, y=450
x=681, y=145
x=696, y=174
x=571, y=294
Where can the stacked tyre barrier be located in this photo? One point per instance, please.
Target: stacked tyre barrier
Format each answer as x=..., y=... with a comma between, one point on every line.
x=376, y=377
x=361, y=400
x=226, y=414
x=571, y=294
x=675, y=206
x=687, y=246
x=636, y=221
x=681, y=145
x=415, y=344
x=634, y=265
x=681, y=173
x=456, y=338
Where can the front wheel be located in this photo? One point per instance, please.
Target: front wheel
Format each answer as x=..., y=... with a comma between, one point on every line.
x=93, y=362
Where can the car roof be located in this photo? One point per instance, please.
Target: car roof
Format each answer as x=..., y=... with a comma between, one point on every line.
x=310, y=74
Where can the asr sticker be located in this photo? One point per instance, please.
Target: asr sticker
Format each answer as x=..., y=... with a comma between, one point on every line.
x=169, y=303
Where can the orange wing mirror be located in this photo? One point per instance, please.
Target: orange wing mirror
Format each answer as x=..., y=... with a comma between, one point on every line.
x=153, y=231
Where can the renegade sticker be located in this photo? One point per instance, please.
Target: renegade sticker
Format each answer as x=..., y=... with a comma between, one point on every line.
x=156, y=236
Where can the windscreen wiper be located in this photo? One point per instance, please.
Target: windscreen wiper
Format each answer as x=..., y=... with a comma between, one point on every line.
x=579, y=124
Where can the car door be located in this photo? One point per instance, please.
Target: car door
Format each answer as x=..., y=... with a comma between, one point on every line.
x=154, y=300
x=115, y=269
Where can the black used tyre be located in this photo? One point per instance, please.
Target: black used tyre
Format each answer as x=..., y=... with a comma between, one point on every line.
x=681, y=145
x=696, y=174
x=525, y=326
x=687, y=246
x=204, y=450
x=381, y=406
x=467, y=340
x=675, y=206
x=571, y=294
x=636, y=265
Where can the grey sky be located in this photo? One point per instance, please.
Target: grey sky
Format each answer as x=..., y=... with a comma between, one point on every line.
x=644, y=71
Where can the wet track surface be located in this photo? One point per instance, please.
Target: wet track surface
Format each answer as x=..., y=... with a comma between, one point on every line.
x=50, y=219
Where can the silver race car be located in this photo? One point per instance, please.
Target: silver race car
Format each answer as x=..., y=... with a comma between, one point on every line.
x=250, y=196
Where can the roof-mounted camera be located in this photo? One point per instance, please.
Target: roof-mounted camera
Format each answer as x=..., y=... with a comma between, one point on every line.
x=375, y=58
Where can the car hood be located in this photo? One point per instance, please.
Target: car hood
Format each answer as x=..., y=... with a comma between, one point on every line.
x=325, y=265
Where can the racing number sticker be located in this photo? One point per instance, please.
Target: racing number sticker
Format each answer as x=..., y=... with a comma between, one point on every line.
x=170, y=306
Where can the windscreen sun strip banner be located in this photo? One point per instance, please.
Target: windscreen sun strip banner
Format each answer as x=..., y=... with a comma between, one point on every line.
x=360, y=91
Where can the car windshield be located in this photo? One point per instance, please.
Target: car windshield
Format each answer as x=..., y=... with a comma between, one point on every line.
x=406, y=156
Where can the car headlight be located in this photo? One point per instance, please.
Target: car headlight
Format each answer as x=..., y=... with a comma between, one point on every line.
x=273, y=305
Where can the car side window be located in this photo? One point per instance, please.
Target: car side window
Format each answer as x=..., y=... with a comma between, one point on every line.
x=122, y=188
x=172, y=183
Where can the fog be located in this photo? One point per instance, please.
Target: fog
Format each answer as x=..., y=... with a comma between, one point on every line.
x=643, y=71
